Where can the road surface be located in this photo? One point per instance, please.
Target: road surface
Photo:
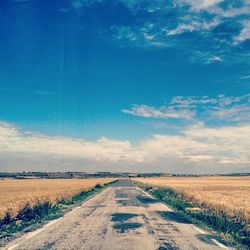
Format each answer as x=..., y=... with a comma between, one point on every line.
x=122, y=217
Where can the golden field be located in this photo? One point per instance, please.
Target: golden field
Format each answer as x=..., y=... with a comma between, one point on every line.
x=15, y=194
x=230, y=194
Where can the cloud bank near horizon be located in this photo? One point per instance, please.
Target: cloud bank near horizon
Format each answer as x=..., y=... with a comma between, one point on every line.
x=197, y=149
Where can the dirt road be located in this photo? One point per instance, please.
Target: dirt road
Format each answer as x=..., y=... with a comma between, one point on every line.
x=121, y=217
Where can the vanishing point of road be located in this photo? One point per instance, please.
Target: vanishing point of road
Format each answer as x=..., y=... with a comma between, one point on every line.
x=122, y=217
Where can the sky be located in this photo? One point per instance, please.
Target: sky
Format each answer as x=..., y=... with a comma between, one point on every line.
x=125, y=85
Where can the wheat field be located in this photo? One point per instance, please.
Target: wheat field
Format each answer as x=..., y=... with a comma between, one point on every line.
x=230, y=194
x=15, y=194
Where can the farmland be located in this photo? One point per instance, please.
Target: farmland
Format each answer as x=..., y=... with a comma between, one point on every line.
x=218, y=202
x=121, y=217
x=229, y=194
x=16, y=194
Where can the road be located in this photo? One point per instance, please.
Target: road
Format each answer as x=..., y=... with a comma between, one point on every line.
x=122, y=217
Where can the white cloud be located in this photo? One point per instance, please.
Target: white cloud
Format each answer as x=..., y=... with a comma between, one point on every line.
x=144, y=36
x=182, y=28
x=199, y=158
x=236, y=113
x=233, y=161
x=161, y=112
x=158, y=44
x=197, y=144
x=125, y=33
x=13, y=140
x=245, y=77
x=215, y=59
x=223, y=108
x=231, y=11
x=192, y=26
x=47, y=93
x=245, y=32
x=228, y=142
x=200, y=4
x=157, y=31
x=78, y=4
x=212, y=6
x=148, y=37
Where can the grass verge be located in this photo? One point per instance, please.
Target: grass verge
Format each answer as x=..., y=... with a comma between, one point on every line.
x=35, y=215
x=233, y=229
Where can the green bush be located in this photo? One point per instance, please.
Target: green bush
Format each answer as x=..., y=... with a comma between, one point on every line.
x=6, y=220
x=30, y=213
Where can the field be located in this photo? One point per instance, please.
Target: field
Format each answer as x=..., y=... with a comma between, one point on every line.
x=16, y=194
x=228, y=194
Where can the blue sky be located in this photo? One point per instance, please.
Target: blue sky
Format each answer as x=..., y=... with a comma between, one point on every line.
x=127, y=78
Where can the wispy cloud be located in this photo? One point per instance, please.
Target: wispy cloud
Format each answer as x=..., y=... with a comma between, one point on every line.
x=237, y=113
x=167, y=24
x=192, y=26
x=28, y=91
x=226, y=109
x=232, y=9
x=47, y=93
x=245, y=77
x=200, y=4
x=214, y=59
x=245, y=32
x=161, y=112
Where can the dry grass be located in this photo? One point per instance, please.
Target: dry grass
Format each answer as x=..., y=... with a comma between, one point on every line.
x=15, y=194
x=230, y=194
